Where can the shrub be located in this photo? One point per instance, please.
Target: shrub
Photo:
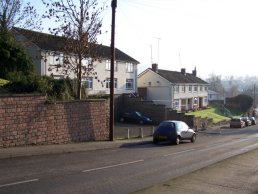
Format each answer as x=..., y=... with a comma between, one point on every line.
x=242, y=102
x=55, y=89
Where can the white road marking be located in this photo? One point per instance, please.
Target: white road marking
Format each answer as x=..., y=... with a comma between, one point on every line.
x=179, y=152
x=112, y=166
x=19, y=182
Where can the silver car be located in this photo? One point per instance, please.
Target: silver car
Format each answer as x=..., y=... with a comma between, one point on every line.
x=173, y=131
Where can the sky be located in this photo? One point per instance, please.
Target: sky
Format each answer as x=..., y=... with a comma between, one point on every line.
x=216, y=36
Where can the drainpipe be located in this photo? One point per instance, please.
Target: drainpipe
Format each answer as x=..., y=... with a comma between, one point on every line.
x=173, y=95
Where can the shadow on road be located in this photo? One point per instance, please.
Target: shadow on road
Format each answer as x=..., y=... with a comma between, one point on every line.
x=149, y=144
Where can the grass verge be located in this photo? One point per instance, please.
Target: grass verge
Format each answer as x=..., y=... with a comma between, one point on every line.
x=212, y=112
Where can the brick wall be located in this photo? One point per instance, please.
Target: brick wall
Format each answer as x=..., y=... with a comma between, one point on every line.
x=29, y=120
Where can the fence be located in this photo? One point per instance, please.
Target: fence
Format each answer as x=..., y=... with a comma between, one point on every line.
x=133, y=132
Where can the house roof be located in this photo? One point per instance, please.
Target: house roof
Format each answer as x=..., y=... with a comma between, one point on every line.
x=212, y=92
x=178, y=77
x=57, y=43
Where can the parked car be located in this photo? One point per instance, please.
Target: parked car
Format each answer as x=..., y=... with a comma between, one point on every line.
x=253, y=120
x=247, y=121
x=173, y=131
x=135, y=117
x=237, y=123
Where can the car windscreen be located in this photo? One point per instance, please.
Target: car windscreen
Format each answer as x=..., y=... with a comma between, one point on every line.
x=139, y=114
x=166, y=127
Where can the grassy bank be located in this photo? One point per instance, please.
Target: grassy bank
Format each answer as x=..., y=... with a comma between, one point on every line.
x=214, y=113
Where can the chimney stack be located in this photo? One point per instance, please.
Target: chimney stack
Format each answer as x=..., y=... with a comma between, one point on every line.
x=194, y=72
x=183, y=71
x=155, y=67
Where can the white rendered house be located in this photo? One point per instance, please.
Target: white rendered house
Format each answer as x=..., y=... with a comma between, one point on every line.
x=177, y=90
x=46, y=52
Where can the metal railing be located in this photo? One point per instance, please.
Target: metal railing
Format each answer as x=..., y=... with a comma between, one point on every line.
x=133, y=132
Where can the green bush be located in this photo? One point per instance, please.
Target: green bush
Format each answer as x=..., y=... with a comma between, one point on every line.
x=242, y=102
x=55, y=89
x=64, y=89
x=13, y=57
x=20, y=83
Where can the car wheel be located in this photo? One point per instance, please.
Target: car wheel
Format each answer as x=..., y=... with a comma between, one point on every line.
x=155, y=141
x=193, y=139
x=122, y=120
x=177, y=140
x=141, y=122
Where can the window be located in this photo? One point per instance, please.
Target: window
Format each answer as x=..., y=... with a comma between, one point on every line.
x=108, y=65
x=190, y=89
x=88, y=82
x=176, y=104
x=108, y=83
x=129, y=84
x=129, y=67
x=183, y=88
x=206, y=88
x=195, y=88
x=177, y=89
x=201, y=88
x=61, y=58
x=51, y=58
x=56, y=58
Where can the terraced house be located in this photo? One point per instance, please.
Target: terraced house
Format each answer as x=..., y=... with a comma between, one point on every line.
x=47, y=52
x=177, y=90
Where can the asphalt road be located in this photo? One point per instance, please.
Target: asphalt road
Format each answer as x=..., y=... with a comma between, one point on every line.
x=121, y=170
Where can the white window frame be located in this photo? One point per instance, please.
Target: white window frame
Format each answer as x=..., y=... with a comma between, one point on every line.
x=190, y=88
x=183, y=88
x=129, y=67
x=195, y=88
x=88, y=82
x=108, y=83
x=176, y=103
x=108, y=65
x=129, y=82
x=177, y=89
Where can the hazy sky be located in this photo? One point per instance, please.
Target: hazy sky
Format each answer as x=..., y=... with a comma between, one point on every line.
x=215, y=36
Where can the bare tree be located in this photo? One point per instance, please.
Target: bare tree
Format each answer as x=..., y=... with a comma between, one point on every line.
x=14, y=13
x=79, y=24
x=215, y=84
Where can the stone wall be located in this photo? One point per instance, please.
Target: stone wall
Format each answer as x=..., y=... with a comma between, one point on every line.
x=30, y=120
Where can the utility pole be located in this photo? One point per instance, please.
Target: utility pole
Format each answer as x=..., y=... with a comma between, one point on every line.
x=254, y=103
x=112, y=58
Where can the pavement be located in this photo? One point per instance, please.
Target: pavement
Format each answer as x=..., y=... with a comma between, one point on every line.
x=238, y=174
